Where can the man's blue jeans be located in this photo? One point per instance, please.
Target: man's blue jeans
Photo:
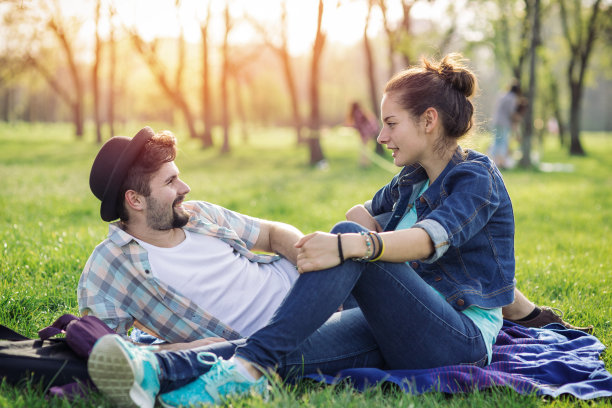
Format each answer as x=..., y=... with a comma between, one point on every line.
x=401, y=323
x=344, y=341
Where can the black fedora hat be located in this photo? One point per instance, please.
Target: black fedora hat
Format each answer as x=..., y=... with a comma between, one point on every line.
x=111, y=166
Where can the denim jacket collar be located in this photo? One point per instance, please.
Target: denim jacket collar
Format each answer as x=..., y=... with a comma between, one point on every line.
x=409, y=181
x=432, y=195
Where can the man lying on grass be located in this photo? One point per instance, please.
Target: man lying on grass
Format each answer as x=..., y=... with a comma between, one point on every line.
x=186, y=271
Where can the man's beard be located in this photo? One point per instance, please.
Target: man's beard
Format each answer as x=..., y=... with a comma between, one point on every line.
x=159, y=218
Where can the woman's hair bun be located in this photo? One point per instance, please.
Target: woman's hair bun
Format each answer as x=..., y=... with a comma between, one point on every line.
x=445, y=85
x=452, y=69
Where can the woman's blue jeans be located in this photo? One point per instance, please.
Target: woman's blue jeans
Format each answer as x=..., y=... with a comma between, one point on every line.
x=401, y=323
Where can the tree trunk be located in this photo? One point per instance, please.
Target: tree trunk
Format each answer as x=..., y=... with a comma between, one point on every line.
x=64, y=95
x=391, y=37
x=580, y=49
x=77, y=103
x=574, y=121
x=295, y=108
x=193, y=133
x=207, y=140
x=374, y=101
x=528, y=121
x=314, y=142
x=77, y=110
x=447, y=39
x=225, y=148
x=6, y=105
x=526, y=29
x=405, y=30
x=508, y=45
x=240, y=111
x=282, y=51
x=561, y=127
x=178, y=85
x=180, y=66
x=111, y=76
x=95, y=77
x=554, y=96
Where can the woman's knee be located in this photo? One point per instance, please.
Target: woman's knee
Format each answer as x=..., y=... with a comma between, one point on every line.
x=347, y=227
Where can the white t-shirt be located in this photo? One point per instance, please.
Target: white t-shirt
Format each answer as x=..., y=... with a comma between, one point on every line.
x=242, y=294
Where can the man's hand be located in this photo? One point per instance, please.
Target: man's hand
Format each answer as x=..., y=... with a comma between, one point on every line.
x=279, y=238
x=191, y=344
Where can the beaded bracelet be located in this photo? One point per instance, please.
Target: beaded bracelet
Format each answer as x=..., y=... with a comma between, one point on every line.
x=369, y=251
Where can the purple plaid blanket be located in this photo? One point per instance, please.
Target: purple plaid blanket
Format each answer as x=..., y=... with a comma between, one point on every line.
x=551, y=361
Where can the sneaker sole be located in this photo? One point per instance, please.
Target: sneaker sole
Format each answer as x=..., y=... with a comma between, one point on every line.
x=110, y=369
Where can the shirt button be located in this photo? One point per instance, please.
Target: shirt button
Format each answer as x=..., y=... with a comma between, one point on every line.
x=438, y=278
x=460, y=302
x=414, y=264
x=422, y=199
x=147, y=271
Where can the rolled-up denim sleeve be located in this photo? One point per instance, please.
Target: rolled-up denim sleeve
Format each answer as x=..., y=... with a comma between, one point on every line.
x=471, y=195
x=438, y=236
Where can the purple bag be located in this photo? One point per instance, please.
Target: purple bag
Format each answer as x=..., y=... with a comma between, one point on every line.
x=81, y=332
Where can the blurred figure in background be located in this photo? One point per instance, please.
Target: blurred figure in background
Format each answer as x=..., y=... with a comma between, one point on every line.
x=367, y=126
x=505, y=117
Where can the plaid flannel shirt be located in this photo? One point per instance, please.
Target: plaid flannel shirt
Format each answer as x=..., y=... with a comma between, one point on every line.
x=118, y=287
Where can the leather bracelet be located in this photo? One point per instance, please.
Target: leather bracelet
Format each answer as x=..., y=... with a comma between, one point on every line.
x=381, y=247
x=340, y=254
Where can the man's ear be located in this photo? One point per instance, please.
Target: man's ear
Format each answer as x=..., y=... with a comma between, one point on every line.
x=134, y=200
x=430, y=117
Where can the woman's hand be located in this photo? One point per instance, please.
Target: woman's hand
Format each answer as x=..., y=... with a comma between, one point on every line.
x=317, y=251
x=361, y=216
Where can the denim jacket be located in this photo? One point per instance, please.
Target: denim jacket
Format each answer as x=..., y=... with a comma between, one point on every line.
x=468, y=215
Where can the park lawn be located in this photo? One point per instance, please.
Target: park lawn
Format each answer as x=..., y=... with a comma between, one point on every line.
x=50, y=224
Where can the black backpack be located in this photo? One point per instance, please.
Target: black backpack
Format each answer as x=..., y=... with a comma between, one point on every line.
x=51, y=362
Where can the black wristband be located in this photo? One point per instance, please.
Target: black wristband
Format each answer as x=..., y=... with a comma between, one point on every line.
x=340, y=254
x=379, y=249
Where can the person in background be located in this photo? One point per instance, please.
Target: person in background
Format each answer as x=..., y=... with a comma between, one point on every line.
x=504, y=120
x=367, y=126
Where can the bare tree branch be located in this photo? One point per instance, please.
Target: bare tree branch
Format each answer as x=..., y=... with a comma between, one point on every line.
x=282, y=51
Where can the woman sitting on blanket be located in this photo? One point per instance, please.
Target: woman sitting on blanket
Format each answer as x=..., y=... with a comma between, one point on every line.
x=430, y=289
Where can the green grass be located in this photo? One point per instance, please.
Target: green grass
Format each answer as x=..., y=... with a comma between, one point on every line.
x=49, y=224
